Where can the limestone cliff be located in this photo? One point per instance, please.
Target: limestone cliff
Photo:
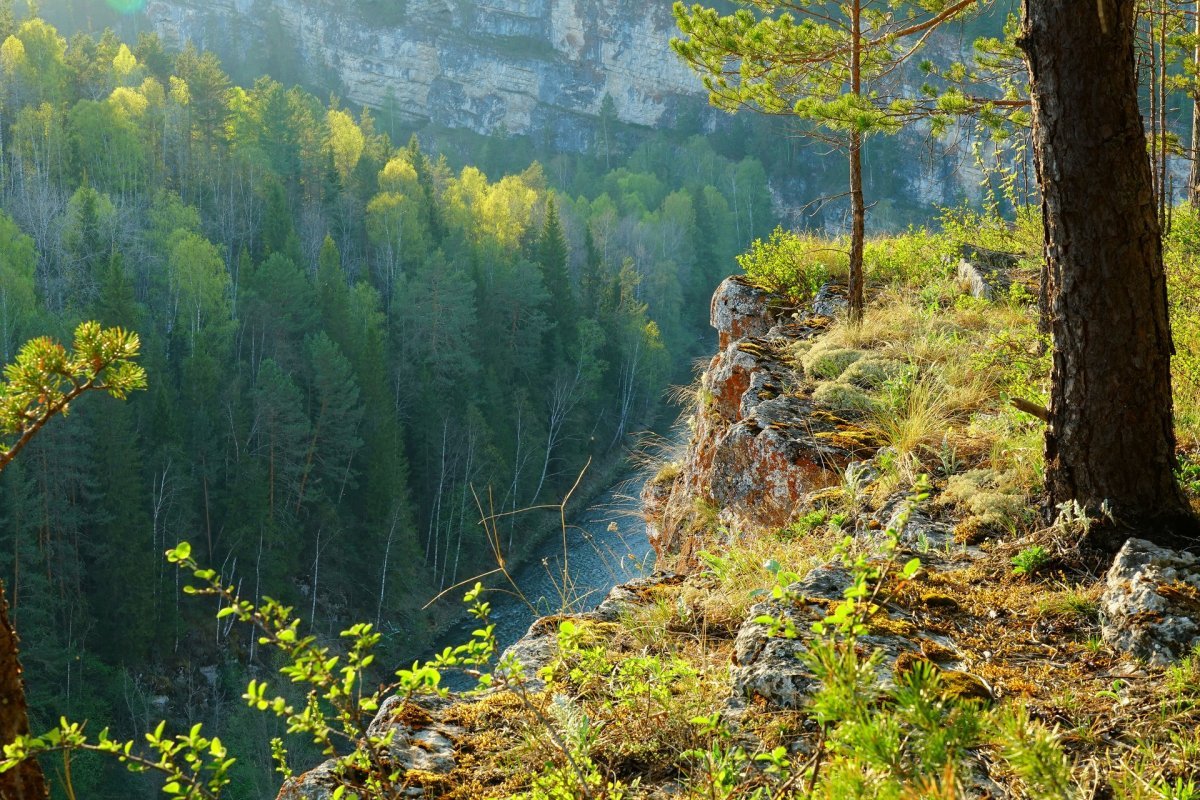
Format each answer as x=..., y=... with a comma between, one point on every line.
x=519, y=65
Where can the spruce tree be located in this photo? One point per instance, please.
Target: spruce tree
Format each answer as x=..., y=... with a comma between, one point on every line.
x=552, y=255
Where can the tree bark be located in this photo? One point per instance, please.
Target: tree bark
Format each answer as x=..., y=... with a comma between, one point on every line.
x=1194, y=176
x=1110, y=444
x=858, y=209
x=857, y=231
x=25, y=782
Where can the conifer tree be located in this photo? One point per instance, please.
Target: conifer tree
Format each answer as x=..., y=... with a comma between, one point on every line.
x=827, y=64
x=552, y=256
x=43, y=381
x=1110, y=439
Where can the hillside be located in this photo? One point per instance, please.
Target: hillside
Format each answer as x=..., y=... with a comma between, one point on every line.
x=857, y=595
x=302, y=347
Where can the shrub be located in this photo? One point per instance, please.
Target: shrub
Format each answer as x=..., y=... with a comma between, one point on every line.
x=792, y=264
x=915, y=256
x=872, y=372
x=839, y=396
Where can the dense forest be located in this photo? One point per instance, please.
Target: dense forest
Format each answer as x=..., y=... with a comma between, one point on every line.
x=345, y=338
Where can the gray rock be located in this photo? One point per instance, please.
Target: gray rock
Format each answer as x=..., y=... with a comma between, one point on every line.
x=985, y=273
x=740, y=310
x=316, y=784
x=1151, y=602
x=830, y=300
x=426, y=747
x=536, y=649
x=771, y=667
x=520, y=66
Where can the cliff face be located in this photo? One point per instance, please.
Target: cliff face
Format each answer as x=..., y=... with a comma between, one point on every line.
x=521, y=65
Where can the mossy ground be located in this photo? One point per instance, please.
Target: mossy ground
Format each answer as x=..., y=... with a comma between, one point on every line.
x=921, y=388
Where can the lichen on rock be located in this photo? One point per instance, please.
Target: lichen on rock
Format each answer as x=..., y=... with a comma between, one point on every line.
x=1151, y=603
x=756, y=448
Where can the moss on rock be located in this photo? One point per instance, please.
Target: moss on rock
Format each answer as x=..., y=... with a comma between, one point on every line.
x=826, y=361
x=842, y=397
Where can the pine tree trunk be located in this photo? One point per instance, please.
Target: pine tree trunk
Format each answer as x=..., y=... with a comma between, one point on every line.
x=26, y=782
x=857, y=231
x=1194, y=177
x=1110, y=443
x=858, y=210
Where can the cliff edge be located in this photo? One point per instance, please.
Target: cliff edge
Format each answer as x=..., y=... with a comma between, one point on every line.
x=520, y=66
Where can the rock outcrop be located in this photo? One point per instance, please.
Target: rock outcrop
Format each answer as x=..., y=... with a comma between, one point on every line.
x=757, y=447
x=985, y=273
x=522, y=66
x=1151, y=603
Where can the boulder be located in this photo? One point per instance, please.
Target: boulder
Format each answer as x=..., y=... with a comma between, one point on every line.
x=758, y=475
x=985, y=273
x=420, y=742
x=1150, y=608
x=769, y=668
x=756, y=448
x=830, y=300
x=740, y=310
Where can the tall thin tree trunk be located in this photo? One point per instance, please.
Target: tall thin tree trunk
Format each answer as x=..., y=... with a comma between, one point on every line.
x=25, y=782
x=858, y=208
x=312, y=615
x=1164, y=188
x=1110, y=444
x=387, y=554
x=1194, y=178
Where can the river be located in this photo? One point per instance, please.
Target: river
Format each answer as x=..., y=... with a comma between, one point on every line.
x=606, y=546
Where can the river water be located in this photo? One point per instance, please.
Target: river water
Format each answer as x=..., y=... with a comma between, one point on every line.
x=606, y=546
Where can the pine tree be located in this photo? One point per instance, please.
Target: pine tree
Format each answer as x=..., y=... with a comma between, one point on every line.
x=1110, y=443
x=826, y=64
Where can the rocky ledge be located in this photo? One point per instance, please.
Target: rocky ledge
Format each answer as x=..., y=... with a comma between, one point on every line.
x=759, y=446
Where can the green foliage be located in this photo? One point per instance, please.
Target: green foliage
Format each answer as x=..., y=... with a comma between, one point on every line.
x=193, y=767
x=346, y=336
x=46, y=378
x=1030, y=560
x=1182, y=261
x=791, y=58
x=912, y=258
x=1035, y=754
x=334, y=712
x=791, y=264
